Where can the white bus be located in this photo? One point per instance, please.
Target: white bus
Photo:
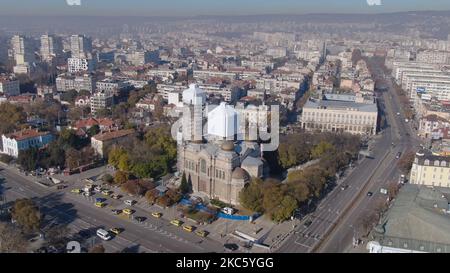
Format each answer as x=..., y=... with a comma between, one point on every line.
x=103, y=234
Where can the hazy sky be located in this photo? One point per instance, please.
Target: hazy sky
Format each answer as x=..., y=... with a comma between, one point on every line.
x=212, y=7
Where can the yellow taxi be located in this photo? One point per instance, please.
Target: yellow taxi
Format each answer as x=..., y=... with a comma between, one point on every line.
x=176, y=222
x=128, y=211
x=100, y=204
x=156, y=214
x=106, y=192
x=201, y=233
x=188, y=228
x=116, y=231
x=77, y=191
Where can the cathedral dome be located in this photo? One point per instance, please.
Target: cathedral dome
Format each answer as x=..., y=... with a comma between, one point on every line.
x=240, y=174
x=228, y=146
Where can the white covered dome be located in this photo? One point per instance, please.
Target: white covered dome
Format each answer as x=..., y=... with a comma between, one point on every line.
x=194, y=95
x=222, y=121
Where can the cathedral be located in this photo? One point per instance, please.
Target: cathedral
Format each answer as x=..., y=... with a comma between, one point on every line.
x=217, y=163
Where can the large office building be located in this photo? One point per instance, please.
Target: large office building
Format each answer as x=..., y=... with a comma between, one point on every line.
x=340, y=114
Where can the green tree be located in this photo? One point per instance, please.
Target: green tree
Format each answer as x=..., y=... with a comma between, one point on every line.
x=272, y=197
x=27, y=214
x=321, y=148
x=285, y=210
x=95, y=129
x=251, y=197
x=184, y=187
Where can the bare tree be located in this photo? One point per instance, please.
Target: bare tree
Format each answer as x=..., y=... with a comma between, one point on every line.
x=11, y=239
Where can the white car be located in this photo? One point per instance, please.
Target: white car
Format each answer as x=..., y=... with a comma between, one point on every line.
x=98, y=189
x=129, y=202
x=103, y=234
x=228, y=210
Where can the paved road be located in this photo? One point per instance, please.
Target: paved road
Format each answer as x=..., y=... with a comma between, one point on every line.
x=339, y=215
x=78, y=213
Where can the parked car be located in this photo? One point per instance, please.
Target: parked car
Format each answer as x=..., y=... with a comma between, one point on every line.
x=129, y=202
x=140, y=219
x=116, y=231
x=157, y=214
x=116, y=211
x=231, y=247
x=228, y=210
x=369, y=193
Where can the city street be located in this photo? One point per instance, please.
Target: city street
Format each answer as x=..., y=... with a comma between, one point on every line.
x=80, y=213
x=338, y=216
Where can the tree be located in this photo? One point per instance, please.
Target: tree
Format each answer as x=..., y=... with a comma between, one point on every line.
x=406, y=161
x=321, y=148
x=272, y=197
x=28, y=159
x=285, y=210
x=95, y=129
x=251, y=196
x=69, y=96
x=151, y=196
x=11, y=239
x=73, y=159
x=133, y=187
x=97, y=249
x=184, y=186
x=27, y=214
x=11, y=116
x=56, y=234
x=120, y=177
x=108, y=178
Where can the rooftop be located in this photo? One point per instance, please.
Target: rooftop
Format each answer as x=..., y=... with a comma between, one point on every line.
x=113, y=134
x=26, y=134
x=419, y=218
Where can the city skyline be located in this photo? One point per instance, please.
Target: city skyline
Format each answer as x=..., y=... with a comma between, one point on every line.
x=202, y=7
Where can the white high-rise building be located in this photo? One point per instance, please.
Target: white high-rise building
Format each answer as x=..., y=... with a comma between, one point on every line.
x=75, y=65
x=51, y=47
x=80, y=46
x=22, y=51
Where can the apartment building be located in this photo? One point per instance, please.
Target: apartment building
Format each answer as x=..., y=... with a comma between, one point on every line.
x=75, y=65
x=430, y=170
x=101, y=100
x=66, y=82
x=9, y=86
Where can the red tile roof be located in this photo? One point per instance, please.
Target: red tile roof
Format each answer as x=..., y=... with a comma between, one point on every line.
x=26, y=134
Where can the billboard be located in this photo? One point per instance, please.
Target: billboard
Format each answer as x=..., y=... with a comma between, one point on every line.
x=421, y=90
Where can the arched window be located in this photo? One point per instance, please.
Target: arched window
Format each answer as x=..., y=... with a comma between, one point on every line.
x=203, y=165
